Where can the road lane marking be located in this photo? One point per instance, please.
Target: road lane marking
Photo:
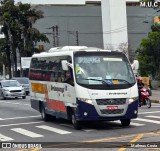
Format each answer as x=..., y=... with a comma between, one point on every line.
x=52, y=129
x=15, y=103
x=1, y=119
x=153, y=116
x=12, y=118
x=155, y=106
x=20, y=124
x=147, y=120
x=152, y=148
x=137, y=124
x=148, y=112
x=139, y=136
x=97, y=140
x=35, y=149
x=132, y=123
x=26, y=132
x=5, y=138
x=119, y=137
x=88, y=130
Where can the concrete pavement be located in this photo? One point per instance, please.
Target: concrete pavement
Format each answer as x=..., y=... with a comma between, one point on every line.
x=155, y=96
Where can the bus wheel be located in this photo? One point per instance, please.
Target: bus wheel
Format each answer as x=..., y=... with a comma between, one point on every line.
x=76, y=124
x=125, y=122
x=45, y=116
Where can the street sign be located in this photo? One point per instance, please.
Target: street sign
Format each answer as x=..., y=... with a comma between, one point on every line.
x=25, y=62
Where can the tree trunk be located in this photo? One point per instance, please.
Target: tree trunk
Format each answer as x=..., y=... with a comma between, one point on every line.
x=9, y=63
x=14, y=58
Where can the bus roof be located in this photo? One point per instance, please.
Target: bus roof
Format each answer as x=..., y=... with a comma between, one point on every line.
x=67, y=50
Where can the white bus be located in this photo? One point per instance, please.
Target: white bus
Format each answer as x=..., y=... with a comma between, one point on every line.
x=83, y=84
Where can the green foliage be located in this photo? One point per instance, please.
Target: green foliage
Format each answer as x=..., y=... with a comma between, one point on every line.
x=149, y=55
x=17, y=21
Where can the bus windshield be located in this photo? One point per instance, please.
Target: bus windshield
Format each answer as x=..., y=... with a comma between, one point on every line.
x=103, y=68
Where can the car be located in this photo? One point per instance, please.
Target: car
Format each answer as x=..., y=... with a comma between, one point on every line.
x=24, y=83
x=11, y=89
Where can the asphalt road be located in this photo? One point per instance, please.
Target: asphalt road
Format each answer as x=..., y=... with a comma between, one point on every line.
x=20, y=123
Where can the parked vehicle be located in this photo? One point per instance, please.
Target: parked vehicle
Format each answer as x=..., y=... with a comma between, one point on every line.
x=11, y=89
x=24, y=83
x=144, y=97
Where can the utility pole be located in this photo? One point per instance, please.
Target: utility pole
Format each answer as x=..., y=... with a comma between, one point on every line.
x=54, y=40
x=57, y=36
x=77, y=38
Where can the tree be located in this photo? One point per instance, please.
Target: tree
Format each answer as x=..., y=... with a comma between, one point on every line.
x=149, y=55
x=5, y=55
x=27, y=17
x=17, y=21
x=125, y=48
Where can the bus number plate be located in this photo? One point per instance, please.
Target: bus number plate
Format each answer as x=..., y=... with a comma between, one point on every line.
x=112, y=107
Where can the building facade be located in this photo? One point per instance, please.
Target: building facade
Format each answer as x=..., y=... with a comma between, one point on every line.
x=87, y=20
x=95, y=23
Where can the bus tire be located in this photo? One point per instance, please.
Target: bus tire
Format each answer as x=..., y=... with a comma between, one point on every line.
x=76, y=124
x=45, y=116
x=125, y=122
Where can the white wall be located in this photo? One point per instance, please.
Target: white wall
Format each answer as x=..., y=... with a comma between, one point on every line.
x=114, y=22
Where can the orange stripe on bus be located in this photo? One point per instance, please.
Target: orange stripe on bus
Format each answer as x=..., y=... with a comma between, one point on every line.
x=56, y=105
x=37, y=87
x=52, y=104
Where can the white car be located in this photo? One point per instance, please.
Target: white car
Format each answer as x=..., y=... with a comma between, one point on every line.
x=11, y=89
x=24, y=83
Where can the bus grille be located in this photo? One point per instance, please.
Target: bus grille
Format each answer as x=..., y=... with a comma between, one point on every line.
x=111, y=101
x=15, y=91
x=119, y=111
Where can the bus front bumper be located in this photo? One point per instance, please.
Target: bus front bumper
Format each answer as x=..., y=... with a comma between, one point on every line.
x=87, y=112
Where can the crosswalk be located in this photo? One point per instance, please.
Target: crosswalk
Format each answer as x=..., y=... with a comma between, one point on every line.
x=26, y=132
x=39, y=129
x=52, y=129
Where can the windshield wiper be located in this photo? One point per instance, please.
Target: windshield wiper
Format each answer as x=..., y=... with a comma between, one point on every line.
x=122, y=81
x=104, y=82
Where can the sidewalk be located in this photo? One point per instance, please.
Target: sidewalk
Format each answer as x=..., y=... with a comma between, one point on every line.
x=155, y=96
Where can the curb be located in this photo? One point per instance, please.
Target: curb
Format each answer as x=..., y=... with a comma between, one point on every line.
x=155, y=101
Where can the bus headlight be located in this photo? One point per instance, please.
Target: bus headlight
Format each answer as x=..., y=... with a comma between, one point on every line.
x=131, y=100
x=86, y=100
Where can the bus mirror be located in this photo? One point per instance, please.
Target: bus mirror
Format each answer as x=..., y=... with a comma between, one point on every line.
x=64, y=65
x=135, y=66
